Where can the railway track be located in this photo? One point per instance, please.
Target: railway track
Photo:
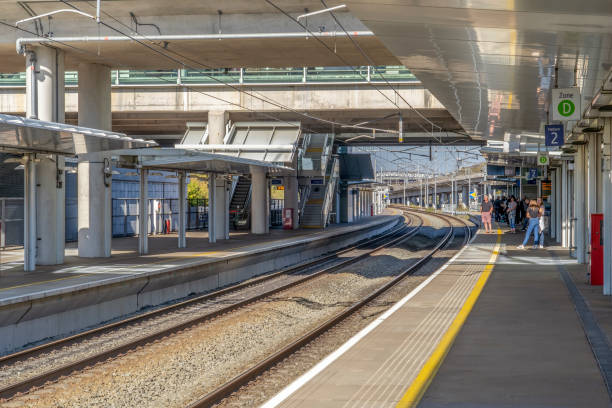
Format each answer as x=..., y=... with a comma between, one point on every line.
x=256, y=370
x=230, y=299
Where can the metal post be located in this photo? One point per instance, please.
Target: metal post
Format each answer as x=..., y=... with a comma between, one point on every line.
x=212, y=207
x=143, y=213
x=3, y=225
x=435, y=196
x=564, y=206
x=421, y=196
x=29, y=215
x=579, y=204
x=182, y=202
x=553, y=204
x=558, y=228
x=404, y=199
x=521, y=182
x=607, y=206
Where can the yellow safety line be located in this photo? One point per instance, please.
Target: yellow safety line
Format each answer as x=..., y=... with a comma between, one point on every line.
x=417, y=389
x=36, y=283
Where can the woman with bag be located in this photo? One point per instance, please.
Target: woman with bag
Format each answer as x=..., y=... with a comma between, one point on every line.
x=533, y=215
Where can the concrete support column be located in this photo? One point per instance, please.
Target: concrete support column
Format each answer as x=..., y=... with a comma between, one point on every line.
x=182, y=204
x=580, y=204
x=291, y=198
x=218, y=207
x=600, y=175
x=216, y=126
x=558, y=200
x=260, y=206
x=143, y=213
x=346, y=204
x=48, y=228
x=94, y=186
x=607, y=206
x=565, y=228
x=594, y=155
x=29, y=215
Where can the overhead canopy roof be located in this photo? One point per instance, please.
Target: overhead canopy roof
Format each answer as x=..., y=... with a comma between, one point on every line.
x=492, y=63
x=172, y=159
x=356, y=167
x=271, y=142
x=21, y=135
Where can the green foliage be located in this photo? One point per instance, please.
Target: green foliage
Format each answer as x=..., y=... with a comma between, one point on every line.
x=197, y=192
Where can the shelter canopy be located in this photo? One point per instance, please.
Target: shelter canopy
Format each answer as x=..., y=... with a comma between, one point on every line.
x=22, y=135
x=173, y=159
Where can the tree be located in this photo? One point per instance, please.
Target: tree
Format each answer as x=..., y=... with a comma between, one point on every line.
x=197, y=192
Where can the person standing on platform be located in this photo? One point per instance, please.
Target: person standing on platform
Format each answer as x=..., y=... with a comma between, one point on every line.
x=512, y=214
x=525, y=208
x=486, y=208
x=541, y=224
x=533, y=215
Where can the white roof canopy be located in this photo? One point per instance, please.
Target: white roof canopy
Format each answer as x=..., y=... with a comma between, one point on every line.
x=22, y=135
x=271, y=142
x=172, y=159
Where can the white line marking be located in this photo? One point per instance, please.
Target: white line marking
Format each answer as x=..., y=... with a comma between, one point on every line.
x=323, y=364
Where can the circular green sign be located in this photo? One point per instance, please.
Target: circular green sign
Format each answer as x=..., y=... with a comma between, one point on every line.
x=566, y=107
x=543, y=159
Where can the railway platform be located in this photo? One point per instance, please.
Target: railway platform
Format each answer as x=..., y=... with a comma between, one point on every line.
x=495, y=327
x=57, y=300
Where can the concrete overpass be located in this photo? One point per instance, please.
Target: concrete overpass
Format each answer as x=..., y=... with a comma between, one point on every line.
x=160, y=110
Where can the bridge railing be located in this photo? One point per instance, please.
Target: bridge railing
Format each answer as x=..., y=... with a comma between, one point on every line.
x=289, y=75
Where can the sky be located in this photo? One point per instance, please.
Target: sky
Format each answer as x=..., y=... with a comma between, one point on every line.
x=444, y=159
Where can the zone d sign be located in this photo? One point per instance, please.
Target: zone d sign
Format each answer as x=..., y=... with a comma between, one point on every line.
x=542, y=160
x=566, y=104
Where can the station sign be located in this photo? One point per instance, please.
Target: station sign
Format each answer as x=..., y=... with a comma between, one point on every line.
x=276, y=182
x=566, y=104
x=532, y=174
x=554, y=135
x=543, y=159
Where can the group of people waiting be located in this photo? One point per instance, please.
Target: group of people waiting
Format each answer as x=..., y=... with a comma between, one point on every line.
x=528, y=212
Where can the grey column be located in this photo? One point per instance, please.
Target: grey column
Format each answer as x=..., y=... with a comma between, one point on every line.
x=49, y=179
x=564, y=206
x=607, y=206
x=291, y=198
x=558, y=205
x=182, y=204
x=579, y=203
x=591, y=187
x=143, y=213
x=259, y=201
x=553, y=204
x=29, y=214
x=94, y=188
x=216, y=126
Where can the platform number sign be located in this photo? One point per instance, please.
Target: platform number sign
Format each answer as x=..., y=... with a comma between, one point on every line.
x=553, y=135
x=532, y=174
x=566, y=104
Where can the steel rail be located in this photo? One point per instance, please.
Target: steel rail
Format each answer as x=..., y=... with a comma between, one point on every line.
x=234, y=384
x=9, y=358
x=406, y=231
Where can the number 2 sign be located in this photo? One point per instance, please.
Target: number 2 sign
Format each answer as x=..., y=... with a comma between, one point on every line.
x=554, y=135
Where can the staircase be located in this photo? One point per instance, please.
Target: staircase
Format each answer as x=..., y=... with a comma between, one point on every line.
x=318, y=207
x=240, y=203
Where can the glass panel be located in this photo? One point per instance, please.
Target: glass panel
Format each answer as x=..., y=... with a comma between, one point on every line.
x=267, y=75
